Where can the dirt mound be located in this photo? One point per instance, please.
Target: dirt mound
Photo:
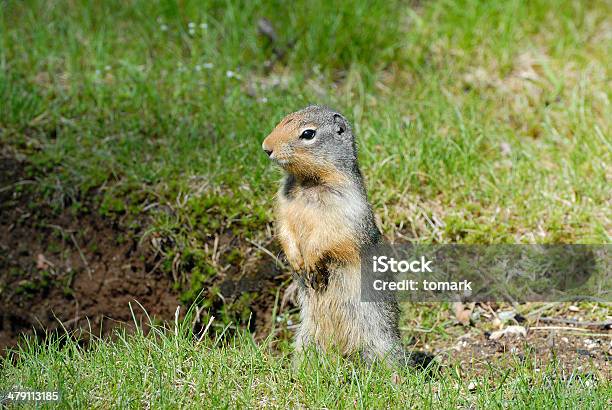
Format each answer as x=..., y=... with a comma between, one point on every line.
x=79, y=271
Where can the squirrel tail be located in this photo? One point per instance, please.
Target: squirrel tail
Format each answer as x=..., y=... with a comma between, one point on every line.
x=417, y=359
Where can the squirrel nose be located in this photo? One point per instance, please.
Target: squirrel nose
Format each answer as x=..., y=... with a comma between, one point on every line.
x=268, y=151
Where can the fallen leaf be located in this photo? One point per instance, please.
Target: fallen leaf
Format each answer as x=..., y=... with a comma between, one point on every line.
x=42, y=263
x=463, y=313
x=509, y=331
x=266, y=29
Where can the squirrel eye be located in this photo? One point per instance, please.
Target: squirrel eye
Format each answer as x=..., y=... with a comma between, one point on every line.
x=308, y=134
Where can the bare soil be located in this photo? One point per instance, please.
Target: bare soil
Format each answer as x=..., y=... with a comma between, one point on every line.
x=569, y=351
x=72, y=271
x=80, y=271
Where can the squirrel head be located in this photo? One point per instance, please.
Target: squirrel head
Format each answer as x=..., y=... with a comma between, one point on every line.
x=314, y=143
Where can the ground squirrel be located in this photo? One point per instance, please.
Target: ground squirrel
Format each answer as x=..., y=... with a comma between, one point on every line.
x=325, y=224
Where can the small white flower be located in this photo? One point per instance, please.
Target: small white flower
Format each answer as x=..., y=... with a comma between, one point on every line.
x=191, y=24
x=208, y=66
x=198, y=67
x=263, y=100
x=230, y=74
x=163, y=27
x=191, y=31
x=107, y=68
x=203, y=26
x=98, y=72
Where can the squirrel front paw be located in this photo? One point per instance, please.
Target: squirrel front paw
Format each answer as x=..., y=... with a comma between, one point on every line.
x=295, y=260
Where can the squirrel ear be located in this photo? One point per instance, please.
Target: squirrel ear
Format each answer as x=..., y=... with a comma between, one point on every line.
x=340, y=124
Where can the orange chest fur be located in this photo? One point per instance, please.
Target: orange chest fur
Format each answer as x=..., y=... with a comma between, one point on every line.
x=310, y=231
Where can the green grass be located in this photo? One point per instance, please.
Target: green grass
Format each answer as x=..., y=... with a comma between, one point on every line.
x=169, y=369
x=477, y=122
x=491, y=120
